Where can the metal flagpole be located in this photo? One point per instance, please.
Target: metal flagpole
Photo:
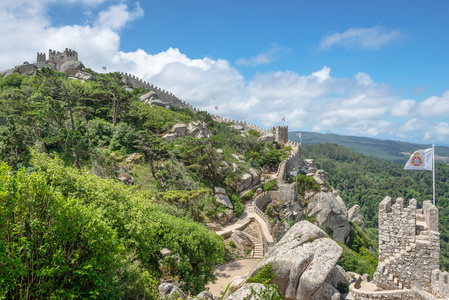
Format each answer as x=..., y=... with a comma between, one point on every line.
x=433, y=170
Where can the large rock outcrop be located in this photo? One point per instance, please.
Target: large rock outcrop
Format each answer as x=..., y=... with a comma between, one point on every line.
x=302, y=260
x=330, y=212
x=242, y=241
x=355, y=215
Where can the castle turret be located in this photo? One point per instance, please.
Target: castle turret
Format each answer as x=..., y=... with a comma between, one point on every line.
x=41, y=57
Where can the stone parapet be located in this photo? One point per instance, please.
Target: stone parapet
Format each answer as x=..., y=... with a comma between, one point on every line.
x=409, y=245
x=367, y=294
x=261, y=201
x=440, y=283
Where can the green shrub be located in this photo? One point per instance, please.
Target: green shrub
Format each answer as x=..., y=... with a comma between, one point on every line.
x=248, y=196
x=254, y=133
x=124, y=138
x=311, y=219
x=306, y=183
x=359, y=263
x=269, y=293
x=145, y=228
x=53, y=247
x=237, y=203
x=12, y=81
x=232, y=244
x=270, y=185
x=264, y=275
x=100, y=132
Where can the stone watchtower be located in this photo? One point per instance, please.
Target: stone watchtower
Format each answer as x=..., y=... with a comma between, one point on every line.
x=409, y=245
x=41, y=57
x=281, y=134
x=58, y=58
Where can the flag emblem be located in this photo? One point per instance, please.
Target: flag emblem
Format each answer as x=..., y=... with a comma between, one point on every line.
x=420, y=160
x=417, y=160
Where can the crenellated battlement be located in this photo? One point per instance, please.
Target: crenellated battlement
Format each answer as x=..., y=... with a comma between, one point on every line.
x=59, y=58
x=409, y=245
x=280, y=132
x=41, y=57
x=440, y=283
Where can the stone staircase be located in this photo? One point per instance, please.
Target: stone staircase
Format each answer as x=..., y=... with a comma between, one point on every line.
x=385, y=267
x=258, y=248
x=422, y=230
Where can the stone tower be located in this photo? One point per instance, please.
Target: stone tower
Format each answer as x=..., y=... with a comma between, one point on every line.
x=409, y=245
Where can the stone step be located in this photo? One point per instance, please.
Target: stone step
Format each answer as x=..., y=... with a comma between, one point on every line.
x=421, y=225
x=420, y=218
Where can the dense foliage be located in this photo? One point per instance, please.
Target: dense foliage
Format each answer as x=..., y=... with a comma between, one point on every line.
x=72, y=230
x=365, y=180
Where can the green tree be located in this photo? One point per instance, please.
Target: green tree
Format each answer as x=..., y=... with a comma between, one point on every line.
x=53, y=247
x=13, y=148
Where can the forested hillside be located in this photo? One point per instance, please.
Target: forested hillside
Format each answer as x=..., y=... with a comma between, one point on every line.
x=70, y=229
x=395, y=151
x=365, y=180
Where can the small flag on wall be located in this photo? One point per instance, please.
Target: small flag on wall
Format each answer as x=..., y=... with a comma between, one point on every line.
x=420, y=160
x=103, y=67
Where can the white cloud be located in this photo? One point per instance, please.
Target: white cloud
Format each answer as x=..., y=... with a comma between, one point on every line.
x=315, y=101
x=404, y=109
x=364, y=38
x=266, y=57
x=363, y=79
x=117, y=16
x=434, y=106
x=322, y=74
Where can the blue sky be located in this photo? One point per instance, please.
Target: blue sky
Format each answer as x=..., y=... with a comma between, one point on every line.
x=366, y=68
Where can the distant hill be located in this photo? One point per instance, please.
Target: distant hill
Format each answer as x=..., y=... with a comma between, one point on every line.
x=394, y=151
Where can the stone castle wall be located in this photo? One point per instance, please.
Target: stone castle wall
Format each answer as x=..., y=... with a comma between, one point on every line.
x=409, y=245
x=280, y=132
x=59, y=58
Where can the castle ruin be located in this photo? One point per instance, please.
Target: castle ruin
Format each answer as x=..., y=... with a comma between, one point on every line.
x=409, y=255
x=58, y=58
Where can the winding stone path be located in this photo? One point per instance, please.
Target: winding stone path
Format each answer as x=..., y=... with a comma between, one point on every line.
x=225, y=273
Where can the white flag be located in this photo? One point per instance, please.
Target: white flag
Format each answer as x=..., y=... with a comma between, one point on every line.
x=420, y=160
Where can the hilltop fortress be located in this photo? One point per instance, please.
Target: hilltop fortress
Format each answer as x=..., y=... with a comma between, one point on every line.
x=65, y=62
x=409, y=244
x=409, y=241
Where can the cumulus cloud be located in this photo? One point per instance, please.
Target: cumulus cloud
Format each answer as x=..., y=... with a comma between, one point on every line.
x=363, y=38
x=117, y=16
x=434, y=106
x=266, y=57
x=316, y=101
x=404, y=109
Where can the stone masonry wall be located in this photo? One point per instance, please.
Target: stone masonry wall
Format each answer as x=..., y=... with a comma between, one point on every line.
x=59, y=58
x=440, y=283
x=409, y=245
x=388, y=295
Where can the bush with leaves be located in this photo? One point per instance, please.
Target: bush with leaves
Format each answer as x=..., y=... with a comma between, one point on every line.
x=53, y=247
x=237, y=203
x=306, y=183
x=145, y=228
x=270, y=185
x=124, y=138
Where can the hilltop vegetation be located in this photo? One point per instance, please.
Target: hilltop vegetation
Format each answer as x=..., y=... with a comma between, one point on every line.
x=365, y=180
x=70, y=229
x=395, y=151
